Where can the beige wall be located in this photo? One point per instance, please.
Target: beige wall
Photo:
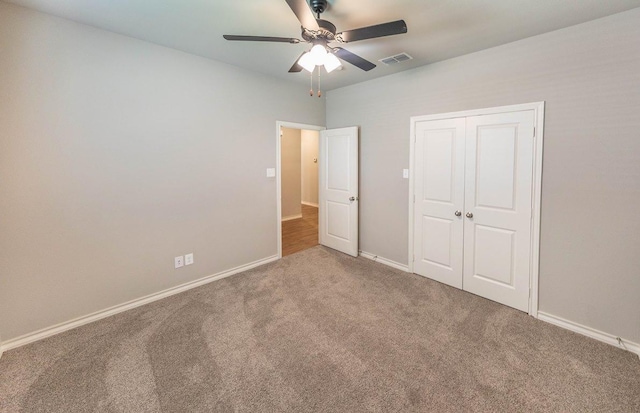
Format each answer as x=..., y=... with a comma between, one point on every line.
x=589, y=75
x=291, y=173
x=117, y=155
x=309, y=152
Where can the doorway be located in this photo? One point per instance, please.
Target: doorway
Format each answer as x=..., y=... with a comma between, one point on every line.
x=338, y=200
x=297, y=178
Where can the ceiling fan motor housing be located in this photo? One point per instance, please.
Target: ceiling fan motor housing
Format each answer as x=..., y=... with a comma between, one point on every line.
x=326, y=32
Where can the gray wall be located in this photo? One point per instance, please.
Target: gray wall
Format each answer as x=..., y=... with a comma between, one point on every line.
x=117, y=155
x=291, y=172
x=589, y=75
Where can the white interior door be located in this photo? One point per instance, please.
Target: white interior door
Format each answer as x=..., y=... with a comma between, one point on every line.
x=498, y=207
x=338, y=193
x=439, y=200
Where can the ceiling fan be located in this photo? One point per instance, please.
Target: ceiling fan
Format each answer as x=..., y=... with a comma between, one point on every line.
x=321, y=32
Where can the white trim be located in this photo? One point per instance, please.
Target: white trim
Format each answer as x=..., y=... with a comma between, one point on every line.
x=291, y=217
x=478, y=112
x=412, y=168
x=384, y=261
x=536, y=205
x=310, y=204
x=590, y=332
x=279, y=125
x=538, y=108
x=98, y=315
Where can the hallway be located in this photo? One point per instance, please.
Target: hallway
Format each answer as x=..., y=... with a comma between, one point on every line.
x=302, y=233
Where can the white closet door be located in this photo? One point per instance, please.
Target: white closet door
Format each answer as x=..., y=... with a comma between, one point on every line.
x=338, y=187
x=498, y=194
x=439, y=200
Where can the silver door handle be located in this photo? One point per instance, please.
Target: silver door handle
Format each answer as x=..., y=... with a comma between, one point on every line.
x=457, y=213
x=353, y=198
x=469, y=215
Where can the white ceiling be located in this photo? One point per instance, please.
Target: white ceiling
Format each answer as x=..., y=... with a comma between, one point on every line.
x=437, y=29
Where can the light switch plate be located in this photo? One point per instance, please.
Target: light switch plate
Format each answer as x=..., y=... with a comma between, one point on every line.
x=405, y=173
x=188, y=259
x=271, y=172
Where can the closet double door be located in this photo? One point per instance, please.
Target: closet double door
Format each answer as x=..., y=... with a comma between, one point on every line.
x=473, y=184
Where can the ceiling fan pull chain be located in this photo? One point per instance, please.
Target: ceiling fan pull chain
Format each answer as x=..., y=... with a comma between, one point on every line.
x=319, y=91
x=311, y=90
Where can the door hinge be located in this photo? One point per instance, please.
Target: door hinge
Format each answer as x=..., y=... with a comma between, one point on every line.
x=414, y=257
x=414, y=198
x=534, y=131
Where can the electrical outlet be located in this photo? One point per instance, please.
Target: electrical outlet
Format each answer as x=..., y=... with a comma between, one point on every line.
x=179, y=261
x=188, y=259
x=405, y=173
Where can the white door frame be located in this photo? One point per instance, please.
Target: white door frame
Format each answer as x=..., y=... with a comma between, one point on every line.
x=538, y=108
x=279, y=126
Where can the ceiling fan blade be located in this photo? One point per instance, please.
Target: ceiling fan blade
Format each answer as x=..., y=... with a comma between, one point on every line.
x=354, y=59
x=371, y=32
x=302, y=11
x=296, y=67
x=261, y=39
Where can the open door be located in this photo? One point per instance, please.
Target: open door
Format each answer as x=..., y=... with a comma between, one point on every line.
x=338, y=187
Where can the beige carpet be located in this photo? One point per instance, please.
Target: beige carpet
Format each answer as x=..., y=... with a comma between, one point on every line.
x=320, y=331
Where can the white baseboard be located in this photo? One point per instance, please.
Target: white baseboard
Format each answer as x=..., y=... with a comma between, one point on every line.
x=590, y=332
x=98, y=315
x=290, y=217
x=384, y=261
x=309, y=204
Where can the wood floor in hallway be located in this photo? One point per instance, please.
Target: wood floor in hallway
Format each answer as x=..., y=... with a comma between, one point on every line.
x=302, y=233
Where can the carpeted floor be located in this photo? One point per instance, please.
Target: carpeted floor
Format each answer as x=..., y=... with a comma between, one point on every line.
x=320, y=331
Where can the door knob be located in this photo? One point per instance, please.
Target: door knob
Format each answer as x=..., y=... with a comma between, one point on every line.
x=353, y=198
x=457, y=213
x=469, y=215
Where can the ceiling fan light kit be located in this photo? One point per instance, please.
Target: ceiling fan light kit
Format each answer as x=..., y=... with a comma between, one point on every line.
x=318, y=56
x=331, y=63
x=307, y=62
x=320, y=33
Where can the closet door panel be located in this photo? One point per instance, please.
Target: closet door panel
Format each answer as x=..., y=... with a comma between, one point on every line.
x=439, y=194
x=498, y=195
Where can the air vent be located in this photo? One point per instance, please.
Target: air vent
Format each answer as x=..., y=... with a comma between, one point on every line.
x=392, y=60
